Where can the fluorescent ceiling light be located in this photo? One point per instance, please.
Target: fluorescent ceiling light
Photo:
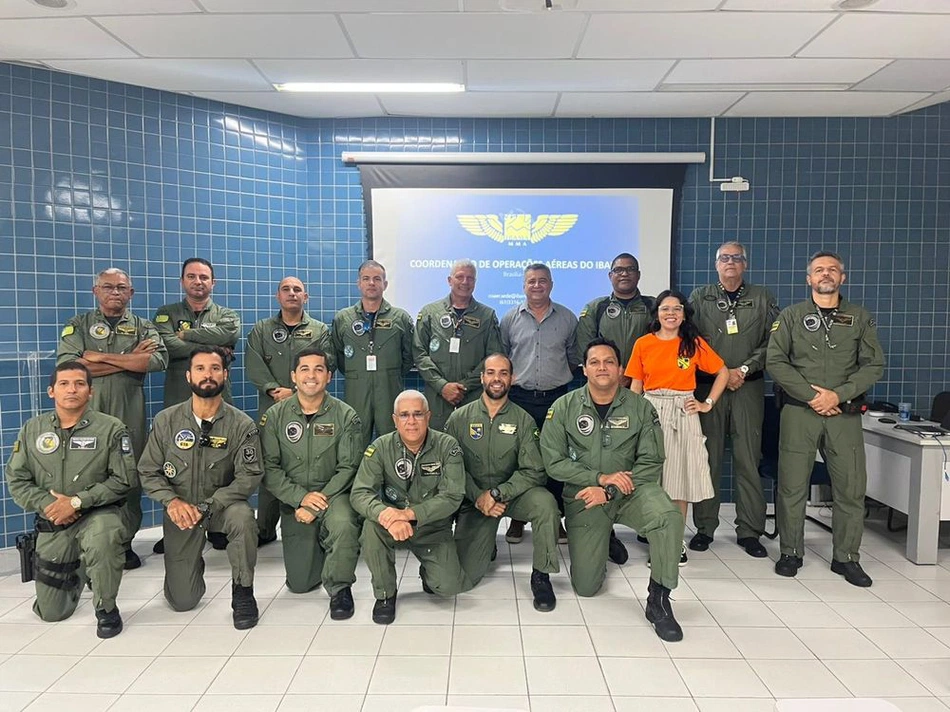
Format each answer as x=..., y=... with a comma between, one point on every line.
x=373, y=87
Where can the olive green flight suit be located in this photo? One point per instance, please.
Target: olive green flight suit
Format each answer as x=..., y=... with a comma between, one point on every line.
x=224, y=474
x=738, y=415
x=609, y=318
x=848, y=359
x=502, y=452
x=433, y=490
x=214, y=326
x=479, y=337
x=316, y=455
x=388, y=337
x=119, y=394
x=94, y=461
x=577, y=448
x=271, y=347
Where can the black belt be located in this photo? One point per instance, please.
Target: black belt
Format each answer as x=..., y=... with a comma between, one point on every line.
x=541, y=395
x=702, y=377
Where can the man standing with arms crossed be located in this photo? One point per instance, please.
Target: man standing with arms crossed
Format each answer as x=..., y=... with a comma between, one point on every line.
x=735, y=318
x=452, y=338
x=118, y=348
x=825, y=355
x=372, y=342
x=271, y=347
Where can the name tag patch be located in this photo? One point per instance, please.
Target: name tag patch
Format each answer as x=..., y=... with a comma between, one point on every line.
x=843, y=319
x=83, y=443
x=217, y=442
x=431, y=468
x=324, y=429
x=507, y=428
x=618, y=421
x=125, y=330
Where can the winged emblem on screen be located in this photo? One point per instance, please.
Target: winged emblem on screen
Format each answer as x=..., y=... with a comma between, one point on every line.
x=517, y=227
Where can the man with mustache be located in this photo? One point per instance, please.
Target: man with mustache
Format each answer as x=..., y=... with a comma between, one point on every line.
x=825, y=355
x=202, y=463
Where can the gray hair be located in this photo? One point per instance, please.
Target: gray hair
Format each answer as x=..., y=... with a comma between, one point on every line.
x=467, y=264
x=111, y=271
x=732, y=243
x=371, y=263
x=825, y=253
x=538, y=267
x=410, y=393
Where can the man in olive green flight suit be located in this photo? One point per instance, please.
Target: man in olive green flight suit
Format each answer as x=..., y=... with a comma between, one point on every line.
x=372, y=343
x=73, y=466
x=735, y=318
x=605, y=444
x=453, y=336
x=825, y=355
x=312, y=448
x=118, y=348
x=202, y=463
x=271, y=347
x=194, y=320
x=504, y=475
x=623, y=316
x=408, y=486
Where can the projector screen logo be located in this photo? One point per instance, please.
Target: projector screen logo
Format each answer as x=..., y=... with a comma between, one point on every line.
x=517, y=228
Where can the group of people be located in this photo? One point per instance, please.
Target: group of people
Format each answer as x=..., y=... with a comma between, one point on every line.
x=496, y=433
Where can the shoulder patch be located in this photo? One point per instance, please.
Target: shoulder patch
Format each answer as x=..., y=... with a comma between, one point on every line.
x=871, y=322
x=16, y=446
x=262, y=420
x=550, y=414
x=368, y=452
x=67, y=330
x=774, y=326
x=249, y=453
x=125, y=445
x=161, y=318
x=537, y=433
x=583, y=313
x=419, y=316
x=455, y=451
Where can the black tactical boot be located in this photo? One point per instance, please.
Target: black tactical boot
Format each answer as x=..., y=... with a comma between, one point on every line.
x=384, y=610
x=544, y=599
x=660, y=613
x=132, y=560
x=616, y=551
x=108, y=623
x=341, y=604
x=218, y=540
x=244, y=606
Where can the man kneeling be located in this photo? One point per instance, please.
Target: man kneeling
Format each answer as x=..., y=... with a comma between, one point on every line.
x=604, y=442
x=408, y=486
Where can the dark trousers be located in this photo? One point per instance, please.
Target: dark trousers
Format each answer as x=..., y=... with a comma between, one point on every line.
x=537, y=403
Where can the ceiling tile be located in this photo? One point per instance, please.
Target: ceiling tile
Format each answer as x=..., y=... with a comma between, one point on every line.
x=278, y=6
x=699, y=35
x=931, y=100
x=877, y=35
x=23, y=8
x=307, y=105
x=828, y=103
x=536, y=6
x=911, y=75
x=470, y=104
x=940, y=7
x=231, y=36
x=465, y=36
x=773, y=71
x=566, y=74
x=644, y=104
x=66, y=38
x=171, y=74
x=780, y=5
x=360, y=70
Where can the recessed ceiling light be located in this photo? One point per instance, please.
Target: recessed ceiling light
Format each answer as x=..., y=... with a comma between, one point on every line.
x=853, y=4
x=373, y=87
x=53, y=4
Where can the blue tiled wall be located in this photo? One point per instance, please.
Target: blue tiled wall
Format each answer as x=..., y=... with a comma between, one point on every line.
x=94, y=174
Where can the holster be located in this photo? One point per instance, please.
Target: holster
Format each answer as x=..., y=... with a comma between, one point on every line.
x=26, y=546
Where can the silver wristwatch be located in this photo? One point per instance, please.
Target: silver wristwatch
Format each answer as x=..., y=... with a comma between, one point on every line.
x=75, y=502
x=744, y=369
x=711, y=402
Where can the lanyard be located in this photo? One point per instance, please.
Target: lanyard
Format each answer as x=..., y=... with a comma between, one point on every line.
x=827, y=322
x=726, y=303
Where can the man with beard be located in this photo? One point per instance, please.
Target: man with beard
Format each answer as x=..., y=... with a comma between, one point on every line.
x=183, y=325
x=72, y=466
x=202, y=463
x=372, y=342
x=825, y=355
x=504, y=475
x=408, y=486
x=118, y=348
x=312, y=447
x=271, y=347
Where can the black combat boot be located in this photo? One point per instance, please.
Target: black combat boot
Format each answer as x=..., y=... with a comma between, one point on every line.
x=244, y=606
x=660, y=613
x=108, y=623
x=384, y=610
x=544, y=599
x=341, y=604
x=616, y=551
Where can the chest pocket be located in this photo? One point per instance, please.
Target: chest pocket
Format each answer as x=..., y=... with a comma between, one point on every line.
x=749, y=318
x=505, y=445
x=86, y=467
x=218, y=465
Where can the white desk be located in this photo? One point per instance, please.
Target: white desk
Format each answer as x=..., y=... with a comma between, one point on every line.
x=910, y=474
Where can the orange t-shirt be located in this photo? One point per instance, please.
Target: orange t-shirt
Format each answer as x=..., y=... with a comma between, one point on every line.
x=657, y=363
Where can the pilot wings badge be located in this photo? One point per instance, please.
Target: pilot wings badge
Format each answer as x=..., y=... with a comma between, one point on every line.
x=517, y=227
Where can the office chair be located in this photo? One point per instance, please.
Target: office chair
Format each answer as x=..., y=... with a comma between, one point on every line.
x=940, y=410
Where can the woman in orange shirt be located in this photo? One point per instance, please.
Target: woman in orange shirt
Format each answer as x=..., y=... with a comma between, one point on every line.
x=663, y=369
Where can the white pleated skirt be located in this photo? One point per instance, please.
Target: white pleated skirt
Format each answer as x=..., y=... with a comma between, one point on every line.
x=686, y=469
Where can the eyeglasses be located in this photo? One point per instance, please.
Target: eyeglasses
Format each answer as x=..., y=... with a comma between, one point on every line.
x=406, y=416
x=620, y=271
x=205, y=439
x=118, y=288
x=671, y=310
x=726, y=259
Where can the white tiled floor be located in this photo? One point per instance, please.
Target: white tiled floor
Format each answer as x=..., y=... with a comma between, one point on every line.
x=751, y=637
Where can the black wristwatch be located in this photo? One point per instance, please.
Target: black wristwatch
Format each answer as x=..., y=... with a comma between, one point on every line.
x=204, y=509
x=495, y=494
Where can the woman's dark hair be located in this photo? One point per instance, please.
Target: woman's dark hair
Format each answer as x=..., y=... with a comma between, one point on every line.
x=689, y=332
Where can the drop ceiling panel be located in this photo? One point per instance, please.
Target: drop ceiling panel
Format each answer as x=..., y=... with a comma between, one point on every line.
x=780, y=5
x=773, y=71
x=592, y=5
x=699, y=35
x=930, y=101
x=172, y=74
x=813, y=103
x=475, y=104
x=880, y=35
x=267, y=6
x=231, y=36
x=25, y=8
x=66, y=38
x=933, y=6
x=305, y=105
x=566, y=75
x=645, y=104
x=911, y=75
x=473, y=36
x=279, y=71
